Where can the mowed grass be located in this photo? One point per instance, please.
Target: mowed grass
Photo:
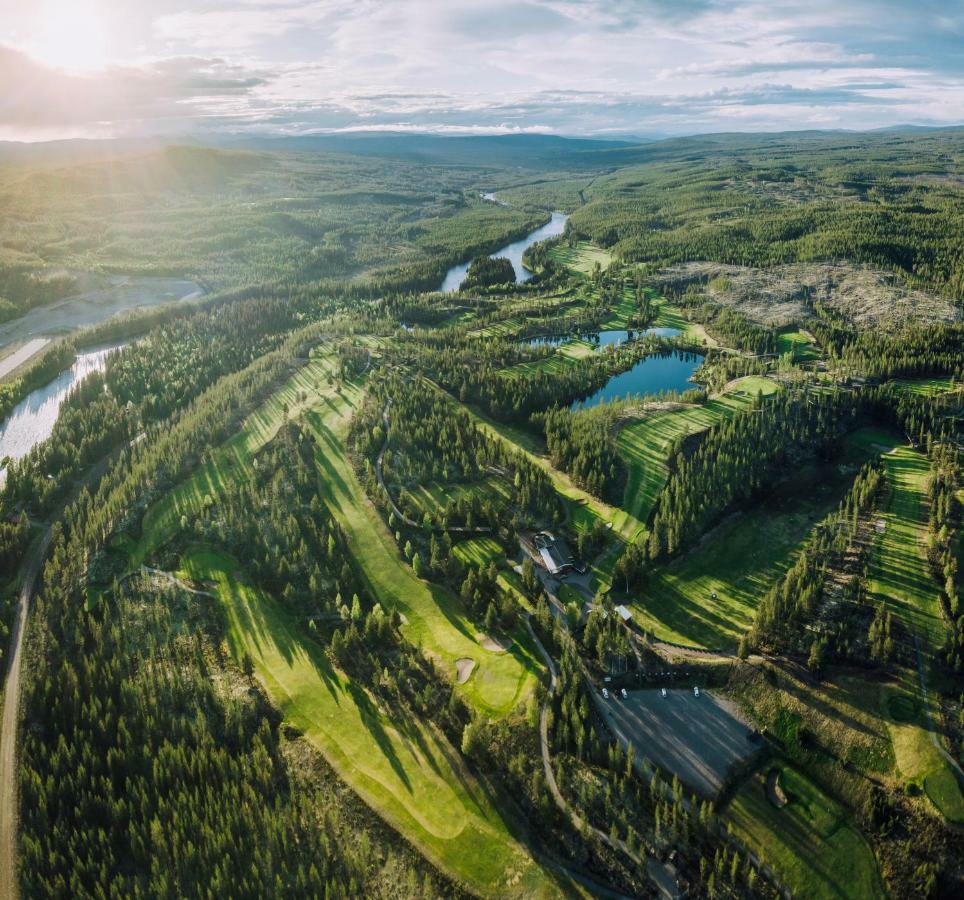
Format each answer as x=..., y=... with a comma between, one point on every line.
x=232, y=461
x=479, y=551
x=810, y=842
x=900, y=579
x=918, y=762
x=927, y=387
x=644, y=446
x=898, y=572
x=740, y=561
x=435, y=495
x=400, y=765
x=799, y=344
x=434, y=617
x=582, y=258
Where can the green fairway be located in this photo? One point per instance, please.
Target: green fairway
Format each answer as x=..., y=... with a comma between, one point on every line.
x=745, y=555
x=899, y=578
x=738, y=563
x=582, y=258
x=402, y=766
x=435, y=618
x=898, y=573
x=434, y=496
x=917, y=759
x=927, y=387
x=815, y=850
x=644, y=446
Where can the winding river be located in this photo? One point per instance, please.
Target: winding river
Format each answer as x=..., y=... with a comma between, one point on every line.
x=513, y=252
x=32, y=420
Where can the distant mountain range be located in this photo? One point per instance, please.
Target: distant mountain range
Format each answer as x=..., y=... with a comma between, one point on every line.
x=522, y=150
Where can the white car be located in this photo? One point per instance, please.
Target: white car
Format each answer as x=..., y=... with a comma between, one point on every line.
x=696, y=691
x=663, y=691
x=623, y=692
x=605, y=694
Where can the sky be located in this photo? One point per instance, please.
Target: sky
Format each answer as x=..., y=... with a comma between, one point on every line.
x=606, y=68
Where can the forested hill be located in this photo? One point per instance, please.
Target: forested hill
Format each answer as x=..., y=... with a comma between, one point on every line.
x=888, y=199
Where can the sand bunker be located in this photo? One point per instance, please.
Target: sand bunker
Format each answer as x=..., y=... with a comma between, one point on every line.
x=463, y=668
x=496, y=645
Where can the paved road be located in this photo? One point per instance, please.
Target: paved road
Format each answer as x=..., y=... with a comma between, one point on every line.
x=8, y=735
x=21, y=355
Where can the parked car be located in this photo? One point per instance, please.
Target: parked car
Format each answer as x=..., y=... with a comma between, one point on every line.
x=696, y=691
x=663, y=690
x=623, y=692
x=605, y=694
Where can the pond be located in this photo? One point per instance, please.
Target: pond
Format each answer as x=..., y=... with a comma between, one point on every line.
x=602, y=338
x=656, y=373
x=513, y=252
x=32, y=420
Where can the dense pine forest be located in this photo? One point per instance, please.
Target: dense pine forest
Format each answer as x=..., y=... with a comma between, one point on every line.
x=333, y=587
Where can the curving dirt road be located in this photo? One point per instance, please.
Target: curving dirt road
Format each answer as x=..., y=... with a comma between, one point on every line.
x=8, y=729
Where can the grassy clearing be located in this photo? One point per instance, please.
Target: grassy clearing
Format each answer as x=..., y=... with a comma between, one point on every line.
x=810, y=841
x=435, y=495
x=799, y=344
x=565, y=357
x=927, y=387
x=232, y=461
x=918, y=762
x=898, y=573
x=582, y=258
x=479, y=551
x=435, y=618
x=401, y=766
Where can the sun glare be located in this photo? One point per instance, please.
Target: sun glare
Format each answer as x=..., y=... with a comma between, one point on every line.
x=72, y=35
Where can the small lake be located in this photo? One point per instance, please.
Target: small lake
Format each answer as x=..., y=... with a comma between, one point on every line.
x=603, y=338
x=513, y=252
x=32, y=420
x=656, y=373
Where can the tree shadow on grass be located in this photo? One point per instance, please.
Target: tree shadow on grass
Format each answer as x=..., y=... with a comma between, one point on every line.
x=249, y=614
x=372, y=721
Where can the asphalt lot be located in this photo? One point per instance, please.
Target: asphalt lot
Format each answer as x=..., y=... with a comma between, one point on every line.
x=697, y=738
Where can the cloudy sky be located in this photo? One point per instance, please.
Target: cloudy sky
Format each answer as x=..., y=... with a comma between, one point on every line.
x=582, y=67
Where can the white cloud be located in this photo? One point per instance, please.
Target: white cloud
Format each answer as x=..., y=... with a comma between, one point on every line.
x=575, y=66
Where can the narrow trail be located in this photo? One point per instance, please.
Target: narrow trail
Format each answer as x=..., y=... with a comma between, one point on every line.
x=11, y=707
x=653, y=867
x=931, y=730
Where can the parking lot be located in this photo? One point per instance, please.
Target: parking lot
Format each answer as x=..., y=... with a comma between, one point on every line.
x=698, y=738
